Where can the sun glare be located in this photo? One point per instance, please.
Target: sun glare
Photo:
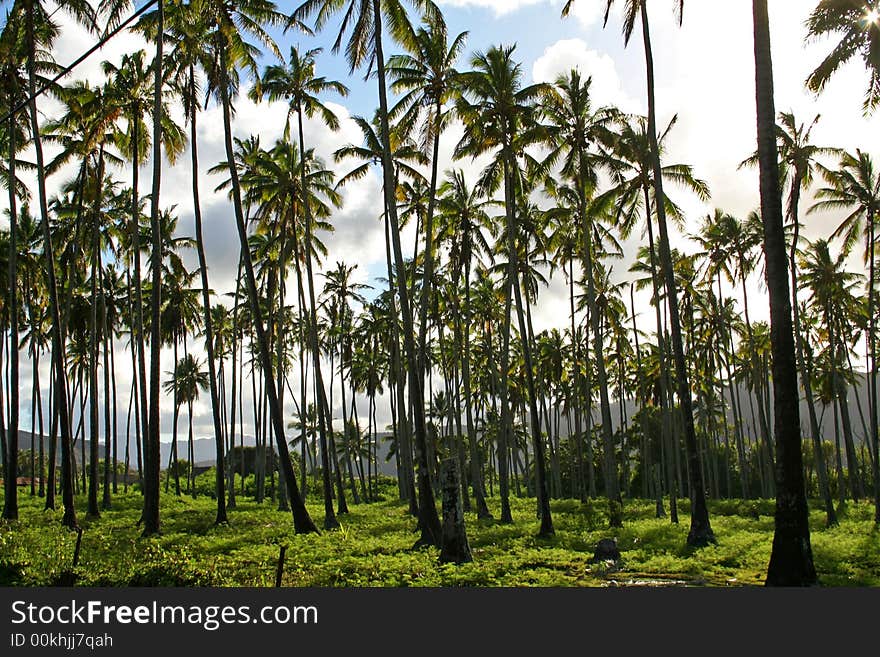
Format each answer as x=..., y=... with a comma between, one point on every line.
x=873, y=16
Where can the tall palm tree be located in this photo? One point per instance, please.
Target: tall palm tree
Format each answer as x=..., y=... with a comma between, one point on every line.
x=854, y=186
x=426, y=76
x=833, y=300
x=500, y=116
x=14, y=133
x=632, y=193
x=700, y=533
x=791, y=559
x=229, y=21
x=367, y=20
x=857, y=22
x=578, y=132
x=186, y=33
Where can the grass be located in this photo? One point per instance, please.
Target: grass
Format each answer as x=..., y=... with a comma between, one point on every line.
x=374, y=547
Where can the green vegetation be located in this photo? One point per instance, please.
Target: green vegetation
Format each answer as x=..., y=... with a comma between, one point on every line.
x=374, y=547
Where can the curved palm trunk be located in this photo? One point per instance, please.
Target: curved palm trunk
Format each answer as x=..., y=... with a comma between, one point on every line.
x=700, y=533
x=58, y=365
x=301, y=520
x=428, y=517
x=206, y=306
x=791, y=561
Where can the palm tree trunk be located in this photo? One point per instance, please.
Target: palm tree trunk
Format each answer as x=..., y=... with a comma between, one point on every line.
x=872, y=348
x=791, y=560
x=108, y=431
x=578, y=479
x=237, y=337
x=700, y=533
x=10, y=500
x=151, y=439
x=476, y=471
x=669, y=447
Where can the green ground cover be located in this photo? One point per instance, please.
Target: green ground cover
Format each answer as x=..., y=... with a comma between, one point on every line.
x=374, y=547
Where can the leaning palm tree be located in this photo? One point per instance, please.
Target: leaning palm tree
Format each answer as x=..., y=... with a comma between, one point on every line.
x=854, y=186
x=791, y=559
x=700, y=533
x=857, y=22
x=229, y=22
x=367, y=20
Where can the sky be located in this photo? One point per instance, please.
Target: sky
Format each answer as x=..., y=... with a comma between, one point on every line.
x=704, y=76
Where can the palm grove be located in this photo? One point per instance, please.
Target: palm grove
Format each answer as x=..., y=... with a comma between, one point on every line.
x=686, y=399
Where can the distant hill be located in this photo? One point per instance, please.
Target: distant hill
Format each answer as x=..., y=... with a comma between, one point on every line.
x=204, y=450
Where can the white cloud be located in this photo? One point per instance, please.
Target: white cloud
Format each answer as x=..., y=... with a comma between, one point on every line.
x=566, y=54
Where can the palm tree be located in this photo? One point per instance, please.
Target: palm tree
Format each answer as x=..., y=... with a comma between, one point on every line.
x=634, y=173
x=700, y=533
x=791, y=559
x=405, y=156
x=14, y=133
x=833, y=300
x=230, y=52
x=858, y=24
x=426, y=76
x=186, y=33
x=187, y=380
x=576, y=131
x=501, y=119
x=367, y=19
x=855, y=186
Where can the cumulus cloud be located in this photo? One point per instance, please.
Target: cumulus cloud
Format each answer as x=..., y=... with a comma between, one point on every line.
x=567, y=54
